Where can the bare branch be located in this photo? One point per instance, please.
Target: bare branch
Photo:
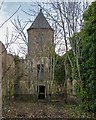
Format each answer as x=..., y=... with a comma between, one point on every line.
x=10, y=16
x=1, y=4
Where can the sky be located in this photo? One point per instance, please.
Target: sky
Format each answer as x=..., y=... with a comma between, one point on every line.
x=8, y=8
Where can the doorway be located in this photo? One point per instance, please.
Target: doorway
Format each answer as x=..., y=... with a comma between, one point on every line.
x=41, y=91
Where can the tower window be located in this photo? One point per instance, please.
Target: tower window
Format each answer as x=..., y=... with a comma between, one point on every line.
x=40, y=72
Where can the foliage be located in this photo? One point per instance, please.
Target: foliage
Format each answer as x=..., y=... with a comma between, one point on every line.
x=88, y=64
x=60, y=67
x=84, y=48
x=59, y=71
x=17, y=75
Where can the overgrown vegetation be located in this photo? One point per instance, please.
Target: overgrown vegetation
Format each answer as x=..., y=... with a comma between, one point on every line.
x=88, y=62
x=85, y=52
x=59, y=70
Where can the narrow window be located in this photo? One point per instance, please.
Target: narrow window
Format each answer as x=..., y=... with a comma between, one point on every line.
x=40, y=72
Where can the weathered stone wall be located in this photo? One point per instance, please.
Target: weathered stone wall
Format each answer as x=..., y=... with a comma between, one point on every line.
x=71, y=90
x=40, y=43
x=4, y=54
x=10, y=74
x=4, y=67
x=8, y=70
x=0, y=80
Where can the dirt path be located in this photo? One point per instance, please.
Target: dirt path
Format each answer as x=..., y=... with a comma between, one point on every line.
x=35, y=110
x=43, y=110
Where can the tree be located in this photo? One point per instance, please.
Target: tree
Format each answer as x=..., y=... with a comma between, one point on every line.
x=59, y=71
x=87, y=63
x=67, y=17
x=59, y=75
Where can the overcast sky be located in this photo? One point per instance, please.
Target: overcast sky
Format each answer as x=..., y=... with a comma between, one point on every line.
x=9, y=7
x=7, y=10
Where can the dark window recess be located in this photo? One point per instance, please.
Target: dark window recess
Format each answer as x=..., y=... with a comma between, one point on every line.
x=40, y=71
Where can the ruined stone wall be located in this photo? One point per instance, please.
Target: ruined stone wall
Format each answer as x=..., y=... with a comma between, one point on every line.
x=3, y=55
x=8, y=71
x=10, y=74
x=0, y=80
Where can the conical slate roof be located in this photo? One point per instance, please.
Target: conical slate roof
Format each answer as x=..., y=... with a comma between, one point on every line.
x=40, y=22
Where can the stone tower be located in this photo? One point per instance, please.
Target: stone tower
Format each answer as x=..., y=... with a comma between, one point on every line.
x=40, y=46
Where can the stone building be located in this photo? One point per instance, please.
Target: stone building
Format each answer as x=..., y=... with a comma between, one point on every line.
x=40, y=45
x=39, y=67
x=32, y=77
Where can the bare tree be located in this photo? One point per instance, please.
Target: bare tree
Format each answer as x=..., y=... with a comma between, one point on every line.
x=68, y=19
x=20, y=32
x=10, y=16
